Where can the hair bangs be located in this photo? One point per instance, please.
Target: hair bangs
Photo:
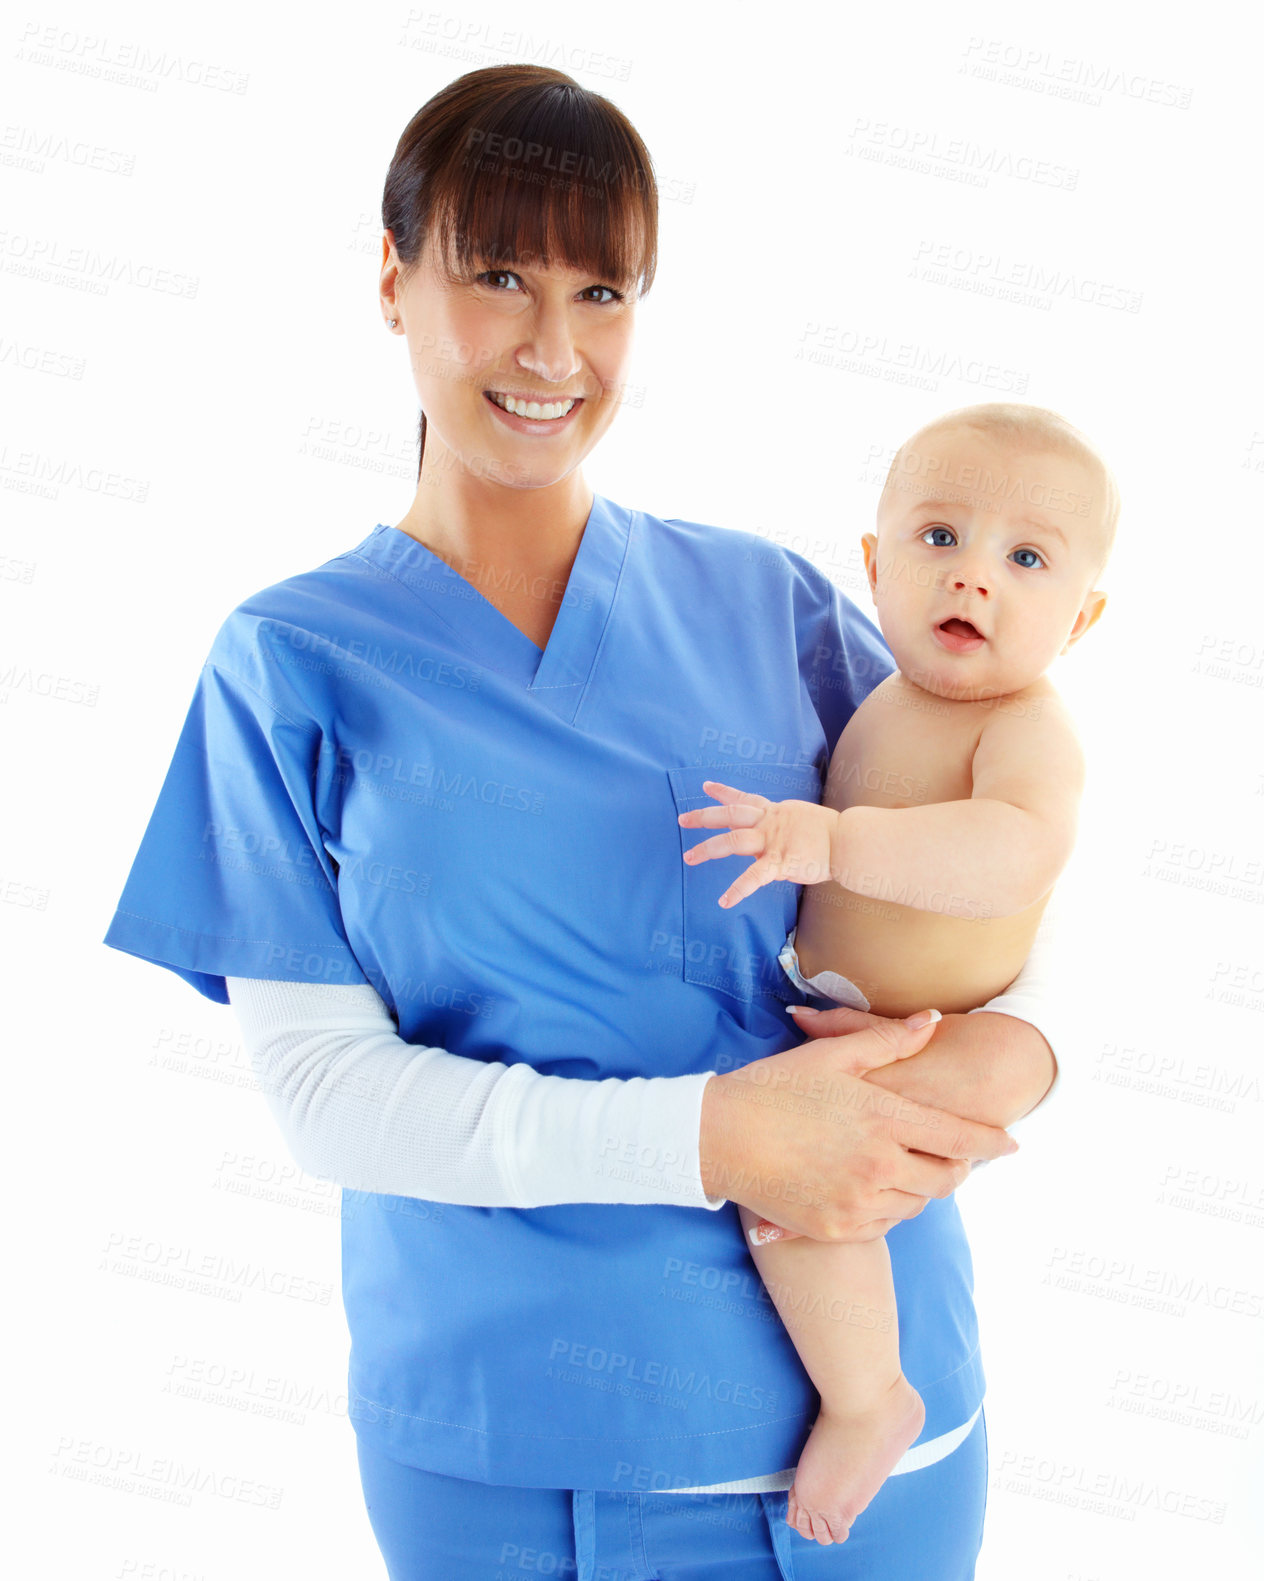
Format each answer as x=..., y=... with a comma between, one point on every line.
x=550, y=176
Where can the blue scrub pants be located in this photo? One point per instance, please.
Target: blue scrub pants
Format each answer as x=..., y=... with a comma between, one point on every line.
x=923, y=1525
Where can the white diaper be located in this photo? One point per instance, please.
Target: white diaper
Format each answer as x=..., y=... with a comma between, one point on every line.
x=825, y=985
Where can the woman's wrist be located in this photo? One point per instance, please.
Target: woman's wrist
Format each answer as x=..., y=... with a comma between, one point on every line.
x=712, y=1138
x=993, y=1068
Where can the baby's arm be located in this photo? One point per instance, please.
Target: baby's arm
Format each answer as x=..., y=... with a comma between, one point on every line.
x=990, y=856
x=993, y=855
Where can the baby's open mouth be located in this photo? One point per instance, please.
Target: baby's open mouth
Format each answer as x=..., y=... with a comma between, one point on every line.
x=958, y=635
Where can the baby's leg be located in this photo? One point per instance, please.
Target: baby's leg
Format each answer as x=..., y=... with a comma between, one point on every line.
x=837, y=1301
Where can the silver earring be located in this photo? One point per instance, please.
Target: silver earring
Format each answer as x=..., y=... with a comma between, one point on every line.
x=391, y=323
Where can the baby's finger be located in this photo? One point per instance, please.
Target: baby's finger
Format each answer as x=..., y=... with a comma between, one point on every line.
x=736, y=815
x=728, y=794
x=755, y=877
x=737, y=842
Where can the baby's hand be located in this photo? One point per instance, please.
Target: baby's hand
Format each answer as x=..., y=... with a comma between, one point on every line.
x=790, y=838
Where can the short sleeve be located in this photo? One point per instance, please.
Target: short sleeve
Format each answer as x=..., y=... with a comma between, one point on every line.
x=842, y=654
x=232, y=877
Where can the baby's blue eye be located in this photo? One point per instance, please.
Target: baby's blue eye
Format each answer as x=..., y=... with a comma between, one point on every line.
x=1027, y=564
x=952, y=537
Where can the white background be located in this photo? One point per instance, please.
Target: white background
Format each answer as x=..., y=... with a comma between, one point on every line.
x=201, y=399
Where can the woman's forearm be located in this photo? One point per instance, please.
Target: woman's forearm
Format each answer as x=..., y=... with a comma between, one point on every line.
x=360, y=1106
x=983, y=1066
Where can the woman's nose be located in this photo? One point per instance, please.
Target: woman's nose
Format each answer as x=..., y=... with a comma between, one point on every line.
x=549, y=353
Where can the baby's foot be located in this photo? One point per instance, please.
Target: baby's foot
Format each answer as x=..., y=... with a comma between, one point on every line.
x=846, y=1460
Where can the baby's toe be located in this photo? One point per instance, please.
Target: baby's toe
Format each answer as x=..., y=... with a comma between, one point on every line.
x=820, y=1530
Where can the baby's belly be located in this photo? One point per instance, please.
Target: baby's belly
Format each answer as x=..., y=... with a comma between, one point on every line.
x=903, y=959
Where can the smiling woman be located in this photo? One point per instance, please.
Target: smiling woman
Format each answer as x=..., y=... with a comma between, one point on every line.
x=520, y=215
x=515, y=167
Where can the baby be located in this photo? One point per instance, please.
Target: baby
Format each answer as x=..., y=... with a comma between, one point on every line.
x=949, y=810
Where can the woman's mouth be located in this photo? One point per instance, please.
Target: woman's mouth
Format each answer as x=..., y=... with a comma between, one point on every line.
x=958, y=635
x=532, y=416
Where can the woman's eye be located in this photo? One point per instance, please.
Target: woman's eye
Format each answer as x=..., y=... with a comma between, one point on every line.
x=498, y=279
x=611, y=295
x=942, y=543
x=1028, y=564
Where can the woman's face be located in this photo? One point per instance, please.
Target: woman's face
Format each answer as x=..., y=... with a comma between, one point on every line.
x=519, y=370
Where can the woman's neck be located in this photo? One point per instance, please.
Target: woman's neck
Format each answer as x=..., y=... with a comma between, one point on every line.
x=455, y=511
x=515, y=545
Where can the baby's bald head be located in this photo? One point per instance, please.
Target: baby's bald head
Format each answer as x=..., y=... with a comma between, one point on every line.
x=1021, y=428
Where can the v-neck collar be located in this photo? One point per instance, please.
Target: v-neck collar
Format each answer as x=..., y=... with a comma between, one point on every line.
x=555, y=676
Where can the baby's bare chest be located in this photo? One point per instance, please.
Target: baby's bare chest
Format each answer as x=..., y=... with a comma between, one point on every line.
x=903, y=749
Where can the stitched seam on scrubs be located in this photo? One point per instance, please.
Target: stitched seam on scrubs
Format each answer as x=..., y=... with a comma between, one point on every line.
x=935, y=1382
x=636, y=1533
x=601, y=640
x=693, y=928
x=582, y=1438
x=454, y=631
x=296, y=725
x=226, y=938
x=266, y=701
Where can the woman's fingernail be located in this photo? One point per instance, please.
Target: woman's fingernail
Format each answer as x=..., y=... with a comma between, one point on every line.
x=804, y=1010
x=761, y=1234
x=922, y=1018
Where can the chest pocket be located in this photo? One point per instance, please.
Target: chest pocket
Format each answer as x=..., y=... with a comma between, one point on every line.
x=735, y=950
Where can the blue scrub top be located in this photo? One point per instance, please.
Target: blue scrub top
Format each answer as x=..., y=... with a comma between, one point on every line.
x=380, y=778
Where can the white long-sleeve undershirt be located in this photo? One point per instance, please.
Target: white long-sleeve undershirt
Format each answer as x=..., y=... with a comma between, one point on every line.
x=359, y=1106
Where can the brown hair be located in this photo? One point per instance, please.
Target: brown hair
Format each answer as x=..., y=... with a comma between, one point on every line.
x=510, y=164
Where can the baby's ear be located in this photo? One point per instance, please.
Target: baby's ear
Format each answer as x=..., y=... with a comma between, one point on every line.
x=869, y=546
x=1090, y=613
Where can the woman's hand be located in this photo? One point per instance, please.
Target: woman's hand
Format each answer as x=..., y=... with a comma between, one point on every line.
x=993, y=1068
x=803, y=1140
x=792, y=839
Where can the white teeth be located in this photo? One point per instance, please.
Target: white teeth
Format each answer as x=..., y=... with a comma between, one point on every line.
x=542, y=411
